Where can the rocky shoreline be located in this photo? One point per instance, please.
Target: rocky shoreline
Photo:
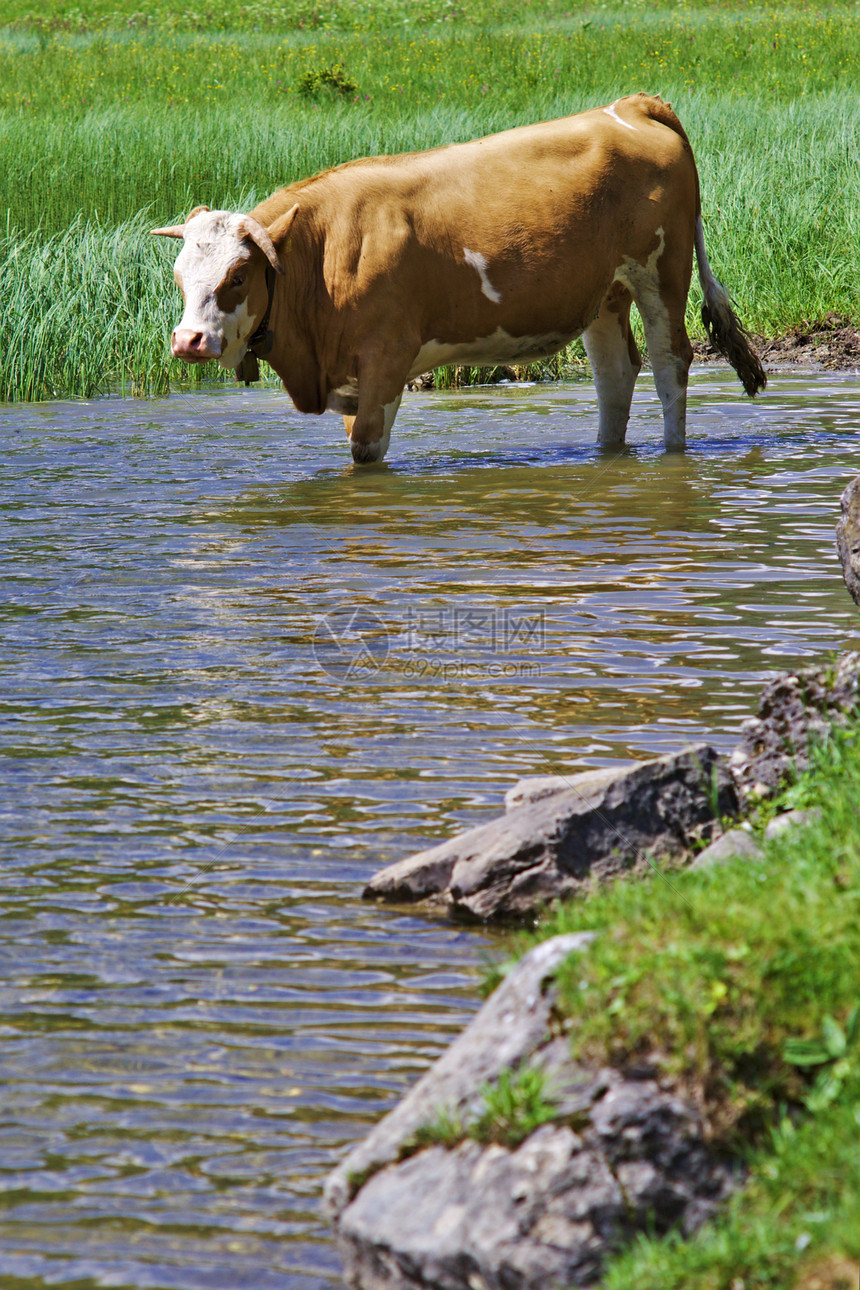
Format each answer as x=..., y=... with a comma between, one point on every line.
x=620, y=1154
x=561, y=834
x=424, y=1201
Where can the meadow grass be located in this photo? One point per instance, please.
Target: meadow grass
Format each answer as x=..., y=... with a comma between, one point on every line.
x=90, y=303
x=99, y=124
x=400, y=70
x=720, y=977
x=86, y=312
x=49, y=16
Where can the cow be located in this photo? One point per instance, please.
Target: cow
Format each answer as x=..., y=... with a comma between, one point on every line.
x=501, y=250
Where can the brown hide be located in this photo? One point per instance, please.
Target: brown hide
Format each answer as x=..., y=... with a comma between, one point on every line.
x=500, y=250
x=375, y=258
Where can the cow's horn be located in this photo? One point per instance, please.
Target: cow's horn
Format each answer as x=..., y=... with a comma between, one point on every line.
x=248, y=227
x=178, y=230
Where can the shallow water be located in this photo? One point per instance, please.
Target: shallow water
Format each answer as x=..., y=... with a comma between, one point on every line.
x=201, y=769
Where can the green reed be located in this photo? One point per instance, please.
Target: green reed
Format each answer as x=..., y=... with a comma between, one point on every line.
x=84, y=311
x=101, y=126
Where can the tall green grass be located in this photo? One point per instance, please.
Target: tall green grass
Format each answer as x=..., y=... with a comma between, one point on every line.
x=89, y=303
x=84, y=312
x=773, y=173
x=101, y=125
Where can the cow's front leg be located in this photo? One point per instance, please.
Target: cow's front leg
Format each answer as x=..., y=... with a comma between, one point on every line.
x=382, y=374
x=379, y=447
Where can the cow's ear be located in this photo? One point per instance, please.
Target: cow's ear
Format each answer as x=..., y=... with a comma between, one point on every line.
x=280, y=229
x=248, y=227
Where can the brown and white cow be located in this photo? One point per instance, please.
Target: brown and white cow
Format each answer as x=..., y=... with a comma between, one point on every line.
x=502, y=250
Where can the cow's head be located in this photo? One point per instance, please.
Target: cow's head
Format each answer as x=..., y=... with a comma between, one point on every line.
x=221, y=272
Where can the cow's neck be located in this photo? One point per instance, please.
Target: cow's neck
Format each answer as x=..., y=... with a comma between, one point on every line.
x=293, y=354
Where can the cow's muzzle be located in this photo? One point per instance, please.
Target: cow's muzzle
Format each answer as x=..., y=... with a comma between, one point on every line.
x=194, y=346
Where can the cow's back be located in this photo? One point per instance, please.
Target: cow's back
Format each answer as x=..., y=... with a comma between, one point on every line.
x=526, y=184
x=516, y=235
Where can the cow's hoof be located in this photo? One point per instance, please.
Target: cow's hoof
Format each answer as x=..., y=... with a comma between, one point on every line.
x=366, y=453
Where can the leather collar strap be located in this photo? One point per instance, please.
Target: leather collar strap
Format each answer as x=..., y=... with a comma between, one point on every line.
x=260, y=344
x=262, y=340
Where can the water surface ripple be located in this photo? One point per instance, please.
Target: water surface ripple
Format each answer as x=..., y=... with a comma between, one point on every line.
x=239, y=675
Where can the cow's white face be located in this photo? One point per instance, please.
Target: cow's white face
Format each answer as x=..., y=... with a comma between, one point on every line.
x=221, y=272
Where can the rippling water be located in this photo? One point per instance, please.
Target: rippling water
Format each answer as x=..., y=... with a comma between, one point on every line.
x=239, y=675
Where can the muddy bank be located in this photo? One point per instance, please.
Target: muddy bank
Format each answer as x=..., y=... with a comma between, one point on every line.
x=831, y=344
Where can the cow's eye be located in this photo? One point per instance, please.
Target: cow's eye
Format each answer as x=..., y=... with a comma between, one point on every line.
x=238, y=279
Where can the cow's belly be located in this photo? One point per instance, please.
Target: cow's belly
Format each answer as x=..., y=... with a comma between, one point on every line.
x=500, y=347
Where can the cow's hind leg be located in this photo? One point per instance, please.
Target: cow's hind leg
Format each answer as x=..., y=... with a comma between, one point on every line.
x=661, y=298
x=615, y=363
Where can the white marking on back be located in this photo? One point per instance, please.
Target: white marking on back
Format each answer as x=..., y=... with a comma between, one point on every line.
x=479, y=264
x=610, y=111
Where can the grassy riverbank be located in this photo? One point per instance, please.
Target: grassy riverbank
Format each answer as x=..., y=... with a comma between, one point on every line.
x=727, y=979
x=110, y=113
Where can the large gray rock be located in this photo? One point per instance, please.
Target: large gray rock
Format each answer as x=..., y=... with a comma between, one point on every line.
x=621, y=1155
x=534, y=788
x=848, y=538
x=510, y=1027
x=796, y=711
x=602, y=824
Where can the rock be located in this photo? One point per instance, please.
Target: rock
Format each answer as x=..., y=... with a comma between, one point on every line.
x=737, y=842
x=796, y=709
x=621, y=1155
x=536, y=787
x=848, y=538
x=789, y=820
x=512, y=1024
x=602, y=824
x=477, y=1216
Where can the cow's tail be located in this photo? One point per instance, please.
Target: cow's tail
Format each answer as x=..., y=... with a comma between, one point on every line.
x=725, y=330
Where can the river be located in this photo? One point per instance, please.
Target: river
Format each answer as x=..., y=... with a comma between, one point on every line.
x=240, y=674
